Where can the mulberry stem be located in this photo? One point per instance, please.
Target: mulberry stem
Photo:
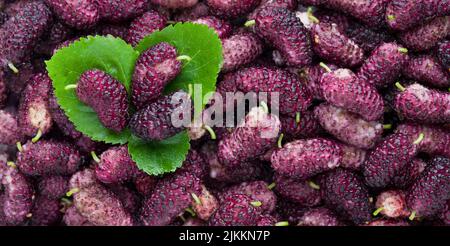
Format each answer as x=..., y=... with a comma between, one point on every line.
x=13, y=68
x=19, y=146
x=391, y=17
x=403, y=50
x=387, y=126
x=256, y=203
x=37, y=137
x=11, y=164
x=271, y=186
x=282, y=223
x=280, y=141
x=412, y=216
x=328, y=69
x=211, y=132
x=95, y=157
x=72, y=191
x=196, y=199
x=376, y=212
x=250, y=23
x=314, y=185
x=419, y=139
x=70, y=87
x=189, y=210
x=400, y=86
x=297, y=117
x=311, y=17
x=184, y=58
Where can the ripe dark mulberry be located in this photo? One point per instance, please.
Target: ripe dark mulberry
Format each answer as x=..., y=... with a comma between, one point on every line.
x=367, y=38
x=298, y=191
x=388, y=159
x=144, y=25
x=53, y=187
x=120, y=10
x=348, y=127
x=34, y=113
x=286, y=33
x=384, y=66
x=344, y=89
x=288, y=4
x=420, y=104
x=154, y=122
x=18, y=195
x=77, y=14
x=239, y=50
x=427, y=69
x=170, y=198
x=346, y=193
x=333, y=45
x=48, y=157
x=106, y=96
x=303, y=159
x=192, y=13
x=235, y=210
x=116, y=166
x=319, y=217
x=155, y=68
x=231, y=9
x=429, y=194
x=20, y=33
x=175, y=4
x=426, y=36
x=352, y=157
x=312, y=76
x=293, y=95
x=406, y=177
x=257, y=134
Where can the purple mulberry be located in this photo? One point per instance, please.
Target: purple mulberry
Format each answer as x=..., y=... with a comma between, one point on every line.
x=388, y=158
x=73, y=218
x=257, y=134
x=175, y=4
x=222, y=27
x=444, y=54
x=286, y=33
x=429, y=194
x=145, y=25
x=345, y=192
x=9, y=128
x=116, y=166
x=367, y=38
x=119, y=10
x=312, y=76
x=107, y=97
x=257, y=191
x=319, y=217
x=420, y=104
x=235, y=210
x=48, y=157
x=155, y=68
x=303, y=159
x=308, y=126
x=154, y=122
x=77, y=14
x=231, y=8
x=45, y=212
x=299, y=191
x=348, y=127
x=239, y=50
x=384, y=66
x=344, y=89
x=334, y=46
x=406, y=177
x=53, y=187
x=369, y=12
x=427, y=69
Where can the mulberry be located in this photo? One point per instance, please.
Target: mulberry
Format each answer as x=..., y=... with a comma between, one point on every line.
x=144, y=25
x=116, y=166
x=239, y=50
x=77, y=14
x=428, y=70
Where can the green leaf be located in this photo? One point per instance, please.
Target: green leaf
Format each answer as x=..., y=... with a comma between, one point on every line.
x=156, y=158
x=200, y=43
x=109, y=54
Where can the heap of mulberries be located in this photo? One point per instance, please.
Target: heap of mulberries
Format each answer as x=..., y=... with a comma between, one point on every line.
x=48, y=157
x=346, y=193
x=107, y=97
x=429, y=194
x=256, y=135
x=286, y=33
x=155, y=68
x=154, y=122
x=303, y=159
